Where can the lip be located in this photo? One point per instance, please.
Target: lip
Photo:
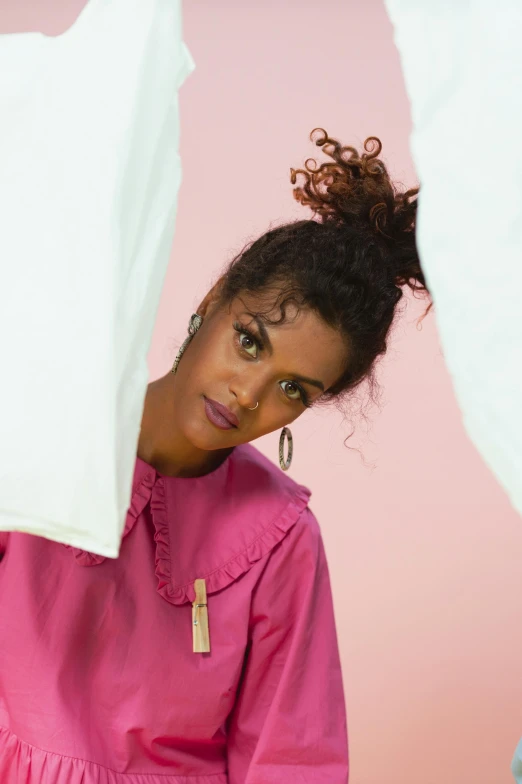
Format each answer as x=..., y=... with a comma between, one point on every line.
x=220, y=415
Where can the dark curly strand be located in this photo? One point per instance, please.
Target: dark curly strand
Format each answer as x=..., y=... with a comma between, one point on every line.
x=348, y=263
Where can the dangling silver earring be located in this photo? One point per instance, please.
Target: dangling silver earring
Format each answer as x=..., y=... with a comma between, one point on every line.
x=194, y=324
x=285, y=433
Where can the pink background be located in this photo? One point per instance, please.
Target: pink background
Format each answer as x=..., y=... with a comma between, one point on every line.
x=423, y=546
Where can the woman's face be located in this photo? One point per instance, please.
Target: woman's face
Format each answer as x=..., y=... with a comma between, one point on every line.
x=236, y=361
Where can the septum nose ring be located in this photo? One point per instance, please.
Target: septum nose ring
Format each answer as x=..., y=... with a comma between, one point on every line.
x=256, y=406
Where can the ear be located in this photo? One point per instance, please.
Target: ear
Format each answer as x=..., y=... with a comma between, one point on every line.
x=211, y=300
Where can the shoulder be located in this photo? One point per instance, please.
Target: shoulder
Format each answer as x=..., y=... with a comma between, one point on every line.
x=246, y=460
x=276, y=500
x=265, y=493
x=252, y=473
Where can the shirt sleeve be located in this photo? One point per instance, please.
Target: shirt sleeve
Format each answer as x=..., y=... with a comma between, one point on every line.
x=289, y=723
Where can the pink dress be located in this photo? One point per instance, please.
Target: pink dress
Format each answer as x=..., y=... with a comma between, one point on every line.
x=98, y=680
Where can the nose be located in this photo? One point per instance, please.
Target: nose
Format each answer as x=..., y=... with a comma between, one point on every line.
x=246, y=389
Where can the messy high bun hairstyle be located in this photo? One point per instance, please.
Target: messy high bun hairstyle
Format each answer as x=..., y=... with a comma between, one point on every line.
x=349, y=262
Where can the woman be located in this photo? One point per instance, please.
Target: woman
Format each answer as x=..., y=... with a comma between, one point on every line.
x=207, y=652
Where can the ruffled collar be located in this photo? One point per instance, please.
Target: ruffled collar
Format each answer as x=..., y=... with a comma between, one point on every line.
x=213, y=527
x=144, y=479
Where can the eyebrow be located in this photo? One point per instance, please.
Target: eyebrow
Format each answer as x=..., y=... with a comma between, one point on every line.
x=266, y=342
x=311, y=381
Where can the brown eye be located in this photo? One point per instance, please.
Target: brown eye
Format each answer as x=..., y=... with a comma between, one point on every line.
x=248, y=344
x=291, y=390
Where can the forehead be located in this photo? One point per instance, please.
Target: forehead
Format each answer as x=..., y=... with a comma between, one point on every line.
x=304, y=343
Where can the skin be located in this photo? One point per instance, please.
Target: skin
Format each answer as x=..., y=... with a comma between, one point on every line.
x=223, y=365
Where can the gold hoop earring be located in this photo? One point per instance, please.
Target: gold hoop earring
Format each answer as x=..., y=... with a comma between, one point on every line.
x=194, y=324
x=286, y=434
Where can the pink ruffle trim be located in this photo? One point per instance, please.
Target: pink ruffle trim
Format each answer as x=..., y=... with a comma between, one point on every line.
x=22, y=763
x=235, y=567
x=217, y=578
x=140, y=497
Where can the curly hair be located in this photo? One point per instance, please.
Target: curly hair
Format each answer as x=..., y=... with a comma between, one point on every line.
x=349, y=262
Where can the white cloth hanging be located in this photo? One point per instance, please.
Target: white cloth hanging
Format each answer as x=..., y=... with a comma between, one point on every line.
x=90, y=172
x=462, y=64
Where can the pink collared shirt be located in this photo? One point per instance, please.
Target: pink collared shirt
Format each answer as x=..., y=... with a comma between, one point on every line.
x=98, y=680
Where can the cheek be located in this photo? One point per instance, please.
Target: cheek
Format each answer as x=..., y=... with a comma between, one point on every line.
x=212, y=362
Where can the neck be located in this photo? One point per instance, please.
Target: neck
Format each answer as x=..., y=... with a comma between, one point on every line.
x=163, y=446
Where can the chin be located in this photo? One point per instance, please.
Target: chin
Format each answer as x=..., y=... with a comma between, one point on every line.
x=202, y=435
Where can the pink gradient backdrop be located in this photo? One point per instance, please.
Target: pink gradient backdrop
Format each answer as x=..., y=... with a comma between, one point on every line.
x=423, y=546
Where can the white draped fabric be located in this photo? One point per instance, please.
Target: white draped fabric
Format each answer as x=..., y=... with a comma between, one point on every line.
x=90, y=173
x=462, y=64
